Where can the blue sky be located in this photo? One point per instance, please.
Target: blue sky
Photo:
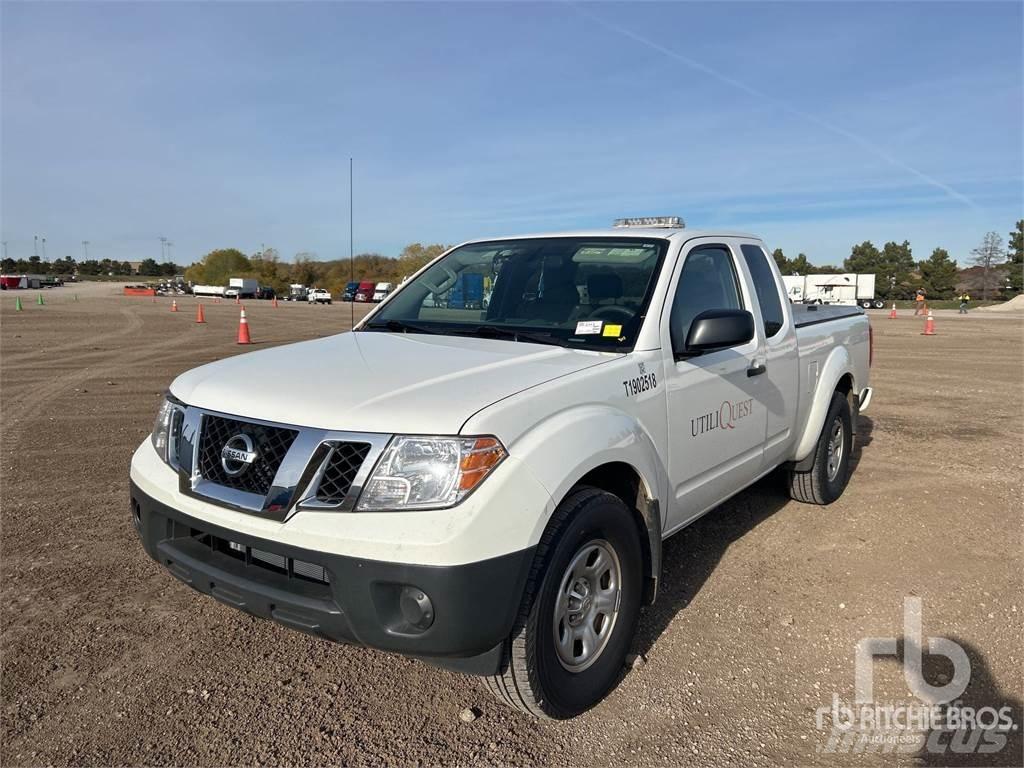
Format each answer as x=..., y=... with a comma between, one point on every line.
x=815, y=125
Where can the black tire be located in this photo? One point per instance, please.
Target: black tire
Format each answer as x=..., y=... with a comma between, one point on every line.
x=535, y=680
x=815, y=486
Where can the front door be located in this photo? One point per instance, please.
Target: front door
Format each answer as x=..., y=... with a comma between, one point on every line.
x=716, y=420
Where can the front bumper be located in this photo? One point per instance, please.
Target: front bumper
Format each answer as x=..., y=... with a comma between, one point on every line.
x=455, y=616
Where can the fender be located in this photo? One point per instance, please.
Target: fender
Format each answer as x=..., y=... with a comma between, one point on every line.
x=585, y=437
x=836, y=366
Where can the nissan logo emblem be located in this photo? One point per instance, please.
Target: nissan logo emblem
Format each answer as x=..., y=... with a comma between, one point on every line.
x=237, y=454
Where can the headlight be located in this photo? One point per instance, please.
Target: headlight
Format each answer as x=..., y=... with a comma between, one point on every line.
x=166, y=428
x=429, y=472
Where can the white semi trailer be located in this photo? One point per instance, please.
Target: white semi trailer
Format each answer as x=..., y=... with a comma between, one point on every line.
x=844, y=289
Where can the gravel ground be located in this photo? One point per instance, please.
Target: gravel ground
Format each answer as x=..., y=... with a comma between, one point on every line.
x=109, y=660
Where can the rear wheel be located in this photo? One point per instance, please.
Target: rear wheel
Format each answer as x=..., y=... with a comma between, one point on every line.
x=579, y=612
x=826, y=480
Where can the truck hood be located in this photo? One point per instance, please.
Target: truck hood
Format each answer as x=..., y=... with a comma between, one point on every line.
x=378, y=382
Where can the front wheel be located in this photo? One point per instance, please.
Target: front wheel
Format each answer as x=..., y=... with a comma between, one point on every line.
x=826, y=480
x=579, y=612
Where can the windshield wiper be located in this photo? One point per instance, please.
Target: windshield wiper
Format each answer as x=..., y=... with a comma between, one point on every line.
x=497, y=331
x=400, y=326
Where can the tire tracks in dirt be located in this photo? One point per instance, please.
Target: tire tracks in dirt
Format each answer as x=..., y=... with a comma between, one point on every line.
x=20, y=411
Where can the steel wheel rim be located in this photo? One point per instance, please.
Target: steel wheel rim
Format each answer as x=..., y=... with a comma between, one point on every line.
x=587, y=605
x=835, y=449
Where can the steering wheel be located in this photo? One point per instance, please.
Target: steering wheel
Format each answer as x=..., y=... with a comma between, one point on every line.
x=612, y=312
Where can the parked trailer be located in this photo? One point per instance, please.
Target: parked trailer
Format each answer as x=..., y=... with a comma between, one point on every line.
x=208, y=290
x=848, y=289
x=14, y=282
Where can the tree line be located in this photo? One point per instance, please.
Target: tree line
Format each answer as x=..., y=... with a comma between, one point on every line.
x=68, y=266
x=994, y=271
x=218, y=266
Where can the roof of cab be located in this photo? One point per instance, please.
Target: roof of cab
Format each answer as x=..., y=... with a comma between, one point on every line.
x=660, y=233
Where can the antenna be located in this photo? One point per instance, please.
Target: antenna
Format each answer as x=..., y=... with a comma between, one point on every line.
x=351, y=247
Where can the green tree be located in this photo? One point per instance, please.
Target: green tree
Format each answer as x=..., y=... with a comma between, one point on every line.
x=891, y=267
x=149, y=267
x=217, y=267
x=938, y=274
x=1015, y=259
x=897, y=265
x=304, y=269
x=781, y=261
x=800, y=265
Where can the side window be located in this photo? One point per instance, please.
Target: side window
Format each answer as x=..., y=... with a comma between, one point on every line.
x=708, y=281
x=764, y=284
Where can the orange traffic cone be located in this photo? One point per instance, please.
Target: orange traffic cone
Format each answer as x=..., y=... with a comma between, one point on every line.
x=892, y=312
x=274, y=304
x=243, y=329
x=929, y=325
x=200, y=317
x=237, y=299
x=174, y=306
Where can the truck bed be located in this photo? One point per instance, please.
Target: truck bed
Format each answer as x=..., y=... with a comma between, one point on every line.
x=811, y=314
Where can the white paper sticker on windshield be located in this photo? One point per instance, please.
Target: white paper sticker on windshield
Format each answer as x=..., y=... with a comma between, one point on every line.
x=589, y=327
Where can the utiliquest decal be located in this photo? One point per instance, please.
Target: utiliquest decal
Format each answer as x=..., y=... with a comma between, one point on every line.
x=728, y=413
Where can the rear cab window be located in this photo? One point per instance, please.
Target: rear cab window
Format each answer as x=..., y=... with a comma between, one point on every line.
x=766, y=288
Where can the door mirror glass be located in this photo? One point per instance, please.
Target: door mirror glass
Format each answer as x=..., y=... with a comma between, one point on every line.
x=718, y=329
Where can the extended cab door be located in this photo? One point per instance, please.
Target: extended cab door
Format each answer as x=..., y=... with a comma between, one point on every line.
x=715, y=417
x=781, y=394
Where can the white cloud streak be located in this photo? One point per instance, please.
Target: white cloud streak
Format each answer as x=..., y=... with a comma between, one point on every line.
x=838, y=130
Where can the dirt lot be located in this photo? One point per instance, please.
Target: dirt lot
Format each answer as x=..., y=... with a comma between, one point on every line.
x=109, y=660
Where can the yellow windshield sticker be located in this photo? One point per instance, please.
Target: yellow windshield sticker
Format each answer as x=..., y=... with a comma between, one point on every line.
x=612, y=330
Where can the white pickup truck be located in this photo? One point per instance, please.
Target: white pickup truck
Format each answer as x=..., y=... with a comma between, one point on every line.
x=319, y=296
x=488, y=489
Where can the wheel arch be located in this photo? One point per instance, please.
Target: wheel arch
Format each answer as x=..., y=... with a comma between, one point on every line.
x=621, y=479
x=836, y=376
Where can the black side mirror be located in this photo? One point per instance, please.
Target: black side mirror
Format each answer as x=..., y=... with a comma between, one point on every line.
x=717, y=329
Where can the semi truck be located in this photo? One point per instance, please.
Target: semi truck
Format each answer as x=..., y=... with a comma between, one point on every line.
x=846, y=290
x=381, y=291
x=490, y=488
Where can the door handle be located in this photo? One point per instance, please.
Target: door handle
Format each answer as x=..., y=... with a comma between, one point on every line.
x=757, y=370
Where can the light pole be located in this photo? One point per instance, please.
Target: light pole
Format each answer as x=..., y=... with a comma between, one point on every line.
x=169, y=244
x=44, y=249
x=163, y=243
x=85, y=249
x=35, y=245
x=5, y=249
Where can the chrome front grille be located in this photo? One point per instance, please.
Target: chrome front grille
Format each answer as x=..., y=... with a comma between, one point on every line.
x=283, y=469
x=270, y=444
x=342, y=466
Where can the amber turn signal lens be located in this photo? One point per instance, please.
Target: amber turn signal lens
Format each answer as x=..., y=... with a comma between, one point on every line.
x=487, y=452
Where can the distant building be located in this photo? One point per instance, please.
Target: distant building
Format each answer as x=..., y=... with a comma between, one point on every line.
x=135, y=265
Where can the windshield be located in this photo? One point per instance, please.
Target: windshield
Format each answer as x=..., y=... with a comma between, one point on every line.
x=590, y=293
